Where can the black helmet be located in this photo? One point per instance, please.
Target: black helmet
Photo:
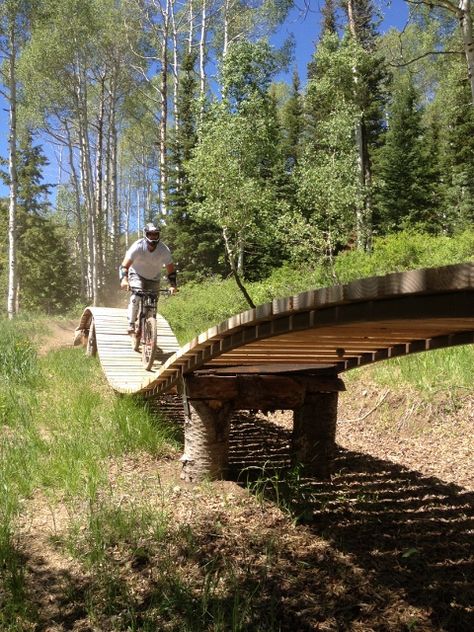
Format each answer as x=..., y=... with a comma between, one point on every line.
x=151, y=233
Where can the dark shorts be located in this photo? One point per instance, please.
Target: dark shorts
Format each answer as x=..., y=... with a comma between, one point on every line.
x=137, y=282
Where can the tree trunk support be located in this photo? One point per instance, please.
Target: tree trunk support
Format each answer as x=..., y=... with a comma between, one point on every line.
x=206, y=440
x=210, y=400
x=314, y=434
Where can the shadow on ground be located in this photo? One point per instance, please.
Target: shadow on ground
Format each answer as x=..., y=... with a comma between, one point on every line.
x=379, y=548
x=409, y=533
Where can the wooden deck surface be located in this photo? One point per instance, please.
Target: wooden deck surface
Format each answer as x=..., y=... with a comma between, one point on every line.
x=341, y=327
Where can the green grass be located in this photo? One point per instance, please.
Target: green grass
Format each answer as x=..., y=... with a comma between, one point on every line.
x=59, y=423
x=430, y=372
x=85, y=423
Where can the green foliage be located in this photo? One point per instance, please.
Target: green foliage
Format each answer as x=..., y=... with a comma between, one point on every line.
x=402, y=166
x=200, y=306
x=247, y=70
x=404, y=251
x=327, y=181
x=47, y=274
x=446, y=371
x=17, y=355
x=454, y=104
x=97, y=427
x=233, y=166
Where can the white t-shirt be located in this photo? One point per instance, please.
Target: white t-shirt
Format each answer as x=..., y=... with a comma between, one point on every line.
x=146, y=263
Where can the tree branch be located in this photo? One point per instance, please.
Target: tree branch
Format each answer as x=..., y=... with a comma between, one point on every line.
x=432, y=52
x=445, y=4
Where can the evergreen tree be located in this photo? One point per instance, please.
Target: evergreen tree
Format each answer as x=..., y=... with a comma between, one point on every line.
x=457, y=142
x=402, y=166
x=292, y=125
x=195, y=242
x=329, y=24
x=369, y=76
x=32, y=191
x=185, y=138
x=47, y=275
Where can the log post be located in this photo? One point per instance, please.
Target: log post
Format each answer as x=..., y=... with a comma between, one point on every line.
x=314, y=433
x=206, y=439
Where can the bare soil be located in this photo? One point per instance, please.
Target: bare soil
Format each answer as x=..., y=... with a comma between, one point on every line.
x=57, y=334
x=385, y=545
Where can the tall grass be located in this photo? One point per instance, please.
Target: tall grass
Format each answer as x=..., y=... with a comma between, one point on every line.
x=430, y=372
x=59, y=423
x=19, y=450
x=85, y=423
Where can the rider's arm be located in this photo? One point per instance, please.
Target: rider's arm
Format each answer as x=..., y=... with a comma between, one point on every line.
x=126, y=263
x=171, y=270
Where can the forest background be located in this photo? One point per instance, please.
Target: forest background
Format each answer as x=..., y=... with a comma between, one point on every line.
x=179, y=112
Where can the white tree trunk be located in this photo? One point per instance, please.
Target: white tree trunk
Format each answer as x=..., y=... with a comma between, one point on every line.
x=465, y=22
x=363, y=208
x=128, y=204
x=226, y=28
x=202, y=56
x=99, y=187
x=191, y=27
x=12, y=171
x=138, y=212
x=175, y=68
x=77, y=198
x=114, y=186
x=164, y=109
x=87, y=183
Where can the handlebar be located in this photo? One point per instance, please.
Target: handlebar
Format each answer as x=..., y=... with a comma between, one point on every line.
x=164, y=291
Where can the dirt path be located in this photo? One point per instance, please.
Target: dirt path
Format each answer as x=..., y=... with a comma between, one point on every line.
x=57, y=334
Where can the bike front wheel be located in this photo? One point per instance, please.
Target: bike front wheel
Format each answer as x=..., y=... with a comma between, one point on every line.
x=149, y=342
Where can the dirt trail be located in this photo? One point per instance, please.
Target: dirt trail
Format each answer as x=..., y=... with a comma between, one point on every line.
x=59, y=333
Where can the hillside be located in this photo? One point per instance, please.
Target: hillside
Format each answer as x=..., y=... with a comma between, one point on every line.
x=385, y=545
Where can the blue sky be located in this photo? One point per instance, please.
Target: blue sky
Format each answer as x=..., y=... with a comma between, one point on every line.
x=303, y=24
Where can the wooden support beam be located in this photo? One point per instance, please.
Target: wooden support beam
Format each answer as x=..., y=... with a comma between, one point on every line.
x=259, y=392
x=314, y=434
x=209, y=401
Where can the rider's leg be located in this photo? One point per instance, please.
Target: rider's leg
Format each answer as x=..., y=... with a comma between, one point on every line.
x=152, y=286
x=132, y=311
x=136, y=283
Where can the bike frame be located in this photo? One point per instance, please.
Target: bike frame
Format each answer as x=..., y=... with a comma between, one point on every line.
x=145, y=334
x=146, y=308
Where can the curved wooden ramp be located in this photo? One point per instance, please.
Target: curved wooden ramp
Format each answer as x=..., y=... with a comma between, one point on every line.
x=121, y=364
x=335, y=329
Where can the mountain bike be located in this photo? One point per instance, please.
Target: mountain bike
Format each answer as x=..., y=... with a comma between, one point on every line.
x=146, y=327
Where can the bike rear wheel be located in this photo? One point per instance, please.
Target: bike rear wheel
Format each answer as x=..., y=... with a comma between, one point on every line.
x=149, y=345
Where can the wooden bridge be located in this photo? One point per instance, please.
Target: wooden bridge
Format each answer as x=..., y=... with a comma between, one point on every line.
x=287, y=354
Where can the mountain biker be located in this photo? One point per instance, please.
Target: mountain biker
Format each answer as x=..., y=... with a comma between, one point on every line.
x=141, y=269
